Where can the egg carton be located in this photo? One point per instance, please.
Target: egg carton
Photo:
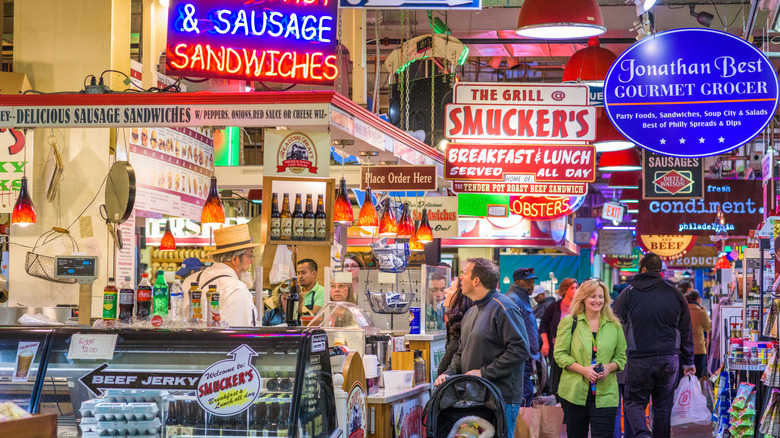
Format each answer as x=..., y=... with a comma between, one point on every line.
x=88, y=424
x=88, y=407
x=98, y=435
x=135, y=395
x=128, y=428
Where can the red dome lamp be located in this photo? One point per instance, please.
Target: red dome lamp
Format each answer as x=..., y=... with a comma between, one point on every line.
x=549, y=19
x=589, y=65
x=620, y=161
x=624, y=180
x=608, y=138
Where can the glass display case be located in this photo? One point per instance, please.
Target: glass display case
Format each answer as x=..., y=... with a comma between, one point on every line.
x=193, y=383
x=437, y=281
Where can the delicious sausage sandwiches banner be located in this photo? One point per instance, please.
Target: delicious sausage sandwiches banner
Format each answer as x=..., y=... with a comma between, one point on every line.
x=691, y=92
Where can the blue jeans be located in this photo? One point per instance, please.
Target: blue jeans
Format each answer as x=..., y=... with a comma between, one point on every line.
x=528, y=386
x=654, y=376
x=511, y=412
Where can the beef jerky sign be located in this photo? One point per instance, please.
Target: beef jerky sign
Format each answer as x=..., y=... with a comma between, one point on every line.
x=672, y=177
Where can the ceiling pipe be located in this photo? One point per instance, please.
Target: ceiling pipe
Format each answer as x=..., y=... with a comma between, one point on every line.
x=751, y=19
x=757, y=41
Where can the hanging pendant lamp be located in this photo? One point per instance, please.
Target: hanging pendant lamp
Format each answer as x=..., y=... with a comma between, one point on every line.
x=589, y=65
x=608, y=138
x=168, y=243
x=414, y=244
x=723, y=263
x=388, y=227
x=624, y=180
x=550, y=19
x=213, y=212
x=367, y=217
x=424, y=232
x=342, y=210
x=405, y=224
x=630, y=196
x=23, y=213
x=620, y=161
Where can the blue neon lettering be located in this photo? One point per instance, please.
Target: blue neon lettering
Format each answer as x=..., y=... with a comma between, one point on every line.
x=292, y=26
x=254, y=30
x=186, y=16
x=323, y=28
x=654, y=207
x=219, y=17
x=305, y=28
x=240, y=22
x=277, y=23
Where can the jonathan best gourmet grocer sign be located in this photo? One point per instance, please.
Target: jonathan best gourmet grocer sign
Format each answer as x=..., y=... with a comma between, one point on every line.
x=691, y=92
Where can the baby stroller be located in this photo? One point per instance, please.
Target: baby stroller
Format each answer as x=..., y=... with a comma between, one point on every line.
x=464, y=396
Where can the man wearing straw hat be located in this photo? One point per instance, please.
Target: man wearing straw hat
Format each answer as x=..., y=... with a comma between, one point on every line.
x=232, y=257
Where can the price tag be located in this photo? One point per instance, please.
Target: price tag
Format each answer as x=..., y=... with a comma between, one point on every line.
x=91, y=346
x=342, y=277
x=385, y=277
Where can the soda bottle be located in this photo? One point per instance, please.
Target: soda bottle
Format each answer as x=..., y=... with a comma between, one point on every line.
x=308, y=220
x=213, y=306
x=160, y=295
x=110, y=300
x=197, y=309
x=126, y=301
x=276, y=219
x=178, y=305
x=144, y=299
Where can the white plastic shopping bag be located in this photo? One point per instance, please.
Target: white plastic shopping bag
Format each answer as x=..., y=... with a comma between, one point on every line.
x=283, y=268
x=690, y=405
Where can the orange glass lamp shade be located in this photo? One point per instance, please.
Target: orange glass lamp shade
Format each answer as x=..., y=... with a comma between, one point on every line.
x=723, y=263
x=213, y=212
x=424, y=232
x=24, y=212
x=414, y=244
x=560, y=20
x=343, y=213
x=367, y=217
x=620, y=161
x=589, y=65
x=167, y=243
x=630, y=196
x=624, y=180
x=405, y=224
x=608, y=138
x=387, y=225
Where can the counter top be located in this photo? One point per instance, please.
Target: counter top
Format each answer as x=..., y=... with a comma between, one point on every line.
x=385, y=396
x=432, y=337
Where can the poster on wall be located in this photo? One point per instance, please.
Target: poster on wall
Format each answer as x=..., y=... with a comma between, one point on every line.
x=442, y=213
x=691, y=92
x=740, y=201
x=125, y=257
x=407, y=417
x=672, y=177
x=13, y=144
x=173, y=168
x=616, y=242
x=298, y=154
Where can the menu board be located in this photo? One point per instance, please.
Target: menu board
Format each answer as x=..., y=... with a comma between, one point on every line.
x=173, y=168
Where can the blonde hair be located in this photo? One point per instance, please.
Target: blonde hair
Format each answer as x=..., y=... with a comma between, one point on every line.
x=587, y=289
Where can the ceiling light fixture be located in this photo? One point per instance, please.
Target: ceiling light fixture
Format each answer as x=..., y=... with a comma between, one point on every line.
x=167, y=243
x=388, y=227
x=405, y=224
x=608, y=138
x=589, y=65
x=23, y=213
x=548, y=19
x=643, y=5
x=624, y=180
x=424, y=231
x=213, y=212
x=620, y=161
x=630, y=196
x=704, y=18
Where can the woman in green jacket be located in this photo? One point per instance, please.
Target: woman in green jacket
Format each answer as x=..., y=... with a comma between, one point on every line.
x=590, y=348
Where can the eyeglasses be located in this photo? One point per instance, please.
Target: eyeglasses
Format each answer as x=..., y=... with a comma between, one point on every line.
x=250, y=254
x=351, y=266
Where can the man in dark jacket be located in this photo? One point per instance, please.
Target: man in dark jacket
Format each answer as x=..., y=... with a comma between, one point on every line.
x=520, y=293
x=657, y=322
x=493, y=340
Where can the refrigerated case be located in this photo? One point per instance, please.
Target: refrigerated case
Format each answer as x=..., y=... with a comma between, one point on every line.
x=180, y=383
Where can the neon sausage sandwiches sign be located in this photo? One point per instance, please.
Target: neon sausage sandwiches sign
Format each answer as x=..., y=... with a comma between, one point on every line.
x=292, y=41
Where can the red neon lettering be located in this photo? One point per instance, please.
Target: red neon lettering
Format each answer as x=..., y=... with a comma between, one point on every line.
x=281, y=60
x=333, y=68
x=315, y=64
x=177, y=51
x=272, y=72
x=231, y=51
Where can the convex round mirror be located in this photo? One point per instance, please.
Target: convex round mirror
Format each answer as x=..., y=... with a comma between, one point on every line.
x=120, y=192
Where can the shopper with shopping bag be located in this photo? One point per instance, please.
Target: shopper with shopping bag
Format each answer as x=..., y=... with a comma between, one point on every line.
x=590, y=348
x=690, y=404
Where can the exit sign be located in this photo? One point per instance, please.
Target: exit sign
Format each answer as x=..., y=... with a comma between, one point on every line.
x=612, y=211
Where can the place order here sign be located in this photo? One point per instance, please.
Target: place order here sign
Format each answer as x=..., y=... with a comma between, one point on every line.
x=521, y=139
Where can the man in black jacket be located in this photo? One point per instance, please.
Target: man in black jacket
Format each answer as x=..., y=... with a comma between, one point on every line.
x=493, y=340
x=520, y=292
x=657, y=322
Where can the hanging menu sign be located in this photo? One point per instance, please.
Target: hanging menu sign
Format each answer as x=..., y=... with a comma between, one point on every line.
x=691, y=92
x=672, y=177
x=401, y=178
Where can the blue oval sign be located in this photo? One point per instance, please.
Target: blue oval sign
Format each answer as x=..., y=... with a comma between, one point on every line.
x=691, y=92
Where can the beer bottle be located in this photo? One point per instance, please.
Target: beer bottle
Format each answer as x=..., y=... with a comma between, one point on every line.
x=286, y=219
x=320, y=226
x=109, y=300
x=308, y=220
x=292, y=315
x=144, y=299
x=171, y=421
x=276, y=219
x=297, y=219
x=126, y=301
x=160, y=295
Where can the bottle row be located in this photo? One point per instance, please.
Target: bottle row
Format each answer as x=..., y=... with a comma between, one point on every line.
x=300, y=224
x=128, y=305
x=268, y=416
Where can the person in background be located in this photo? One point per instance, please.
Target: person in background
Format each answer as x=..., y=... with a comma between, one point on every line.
x=353, y=263
x=700, y=324
x=437, y=287
x=313, y=293
x=456, y=305
x=590, y=348
x=657, y=323
x=493, y=341
x=232, y=257
x=684, y=286
x=520, y=293
x=277, y=314
x=548, y=327
x=542, y=301
x=188, y=266
x=342, y=292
